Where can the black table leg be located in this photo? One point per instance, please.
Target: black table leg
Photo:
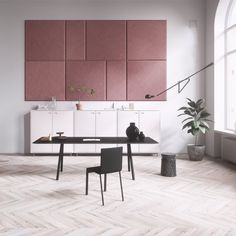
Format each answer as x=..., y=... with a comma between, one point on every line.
x=60, y=160
x=130, y=160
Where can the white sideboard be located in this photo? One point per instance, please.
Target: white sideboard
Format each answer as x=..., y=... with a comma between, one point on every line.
x=93, y=124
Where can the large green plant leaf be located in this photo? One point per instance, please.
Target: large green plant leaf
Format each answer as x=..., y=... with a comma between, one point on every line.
x=189, y=118
x=204, y=114
x=203, y=123
x=188, y=124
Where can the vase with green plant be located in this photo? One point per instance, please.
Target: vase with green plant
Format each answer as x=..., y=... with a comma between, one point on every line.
x=196, y=122
x=79, y=91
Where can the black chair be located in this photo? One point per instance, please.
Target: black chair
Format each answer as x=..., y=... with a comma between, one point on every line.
x=111, y=161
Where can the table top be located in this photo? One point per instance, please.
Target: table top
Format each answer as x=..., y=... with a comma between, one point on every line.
x=93, y=140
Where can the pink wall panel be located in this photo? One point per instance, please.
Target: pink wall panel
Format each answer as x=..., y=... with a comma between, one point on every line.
x=146, y=77
x=90, y=74
x=44, y=80
x=146, y=39
x=44, y=40
x=116, y=80
x=75, y=40
x=106, y=40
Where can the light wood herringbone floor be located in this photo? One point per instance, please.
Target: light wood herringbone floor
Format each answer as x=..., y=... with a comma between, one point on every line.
x=200, y=201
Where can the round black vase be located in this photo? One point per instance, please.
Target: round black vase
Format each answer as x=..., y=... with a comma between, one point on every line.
x=132, y=132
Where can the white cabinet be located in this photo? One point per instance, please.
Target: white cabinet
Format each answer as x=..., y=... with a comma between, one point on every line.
x=124, y=120
x=106, y=125
x=40, y=125
x=94, y=124
x=85, y=127
x=146, y=121
x=62, y=121
x=43, y=123
x=149, y=123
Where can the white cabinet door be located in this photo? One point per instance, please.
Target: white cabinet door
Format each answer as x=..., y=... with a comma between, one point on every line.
x=84, y=126
x=124, y=120
x=149, y=123
x=40, y=125
x=106, y=125
x=63, y=121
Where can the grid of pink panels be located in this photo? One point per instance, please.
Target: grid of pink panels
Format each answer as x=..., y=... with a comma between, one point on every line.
x=121, y=60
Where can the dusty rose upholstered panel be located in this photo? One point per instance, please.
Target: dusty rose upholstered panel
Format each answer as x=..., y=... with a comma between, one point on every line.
x=116, y=80
x=106, y=40
x=44, y=80
x=146, y=77
x=44, y=40
x=146, y=39
x=75, y=40
x=90, y=74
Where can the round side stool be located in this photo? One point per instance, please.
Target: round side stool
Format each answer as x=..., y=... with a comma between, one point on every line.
x=168, y=164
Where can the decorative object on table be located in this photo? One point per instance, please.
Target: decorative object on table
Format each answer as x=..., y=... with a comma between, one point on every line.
x=59, y=133
x=141, y=136
x=79, y=90
x=185, y=81
x=168, y=164
x=132, y=132
x=196, y=123
x=45, y=139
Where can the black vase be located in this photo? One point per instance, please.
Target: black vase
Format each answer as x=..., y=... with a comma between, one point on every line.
x=132, y=132
x=141, y=136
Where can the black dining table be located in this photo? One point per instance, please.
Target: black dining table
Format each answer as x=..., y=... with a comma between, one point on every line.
x=62, y=140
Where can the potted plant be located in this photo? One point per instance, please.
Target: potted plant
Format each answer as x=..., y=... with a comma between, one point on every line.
x=80, y=90
x=195, y=123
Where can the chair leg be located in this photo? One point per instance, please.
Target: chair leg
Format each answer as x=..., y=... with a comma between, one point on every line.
x=105, y=182
x=101, y=189
x=87, y=176
x=121, y=188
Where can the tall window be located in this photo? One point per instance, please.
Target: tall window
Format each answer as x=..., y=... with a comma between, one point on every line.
x=230, y=65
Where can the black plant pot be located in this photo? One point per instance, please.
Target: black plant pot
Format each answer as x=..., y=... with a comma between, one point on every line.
x=196, y=152
x=132, y=132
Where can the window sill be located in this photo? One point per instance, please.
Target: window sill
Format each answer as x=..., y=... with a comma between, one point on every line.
x=226, y=132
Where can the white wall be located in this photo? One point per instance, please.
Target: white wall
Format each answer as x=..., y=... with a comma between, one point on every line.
x=186, y=54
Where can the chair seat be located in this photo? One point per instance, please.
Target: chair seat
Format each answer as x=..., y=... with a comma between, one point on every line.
x=96, y=169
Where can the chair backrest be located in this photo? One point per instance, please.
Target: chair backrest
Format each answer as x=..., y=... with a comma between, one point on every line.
x=111, y=160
